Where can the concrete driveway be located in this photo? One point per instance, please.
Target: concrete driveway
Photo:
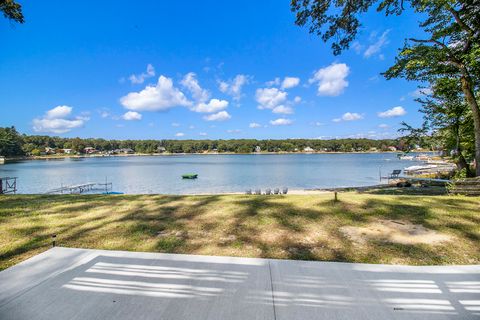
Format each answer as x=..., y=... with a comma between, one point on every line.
x=64, y=283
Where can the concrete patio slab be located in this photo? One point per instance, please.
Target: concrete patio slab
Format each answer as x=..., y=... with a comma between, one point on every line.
x=333, y=290
x=64, y=283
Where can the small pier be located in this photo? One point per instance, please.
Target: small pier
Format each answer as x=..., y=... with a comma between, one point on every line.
x=106, y=186
x=82, y=188
x=77, y=188
x=8, y=185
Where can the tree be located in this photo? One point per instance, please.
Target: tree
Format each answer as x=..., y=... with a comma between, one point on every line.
x=451, y=50
x=10, y=142
x=12, y=10
x=448, y=116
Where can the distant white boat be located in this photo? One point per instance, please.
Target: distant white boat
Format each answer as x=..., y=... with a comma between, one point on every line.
x=406, y=157
x=429, y=168
x=422, y=157
x=416, y=168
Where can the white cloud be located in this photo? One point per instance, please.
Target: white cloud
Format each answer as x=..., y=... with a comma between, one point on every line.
x=421, y=92
x=318, y=124
x=219, y=116
x=58, y=112
x=394, y=112
x=349, y=116
x=135, y=79
x=104, y=113
x=234, y=87
x=275, y=99
x=132, y=115
x=290, y=82
x=274, y=82
x=56, y=125
x=357, y=46
x=377, y=45
x=56, y=121
x=214, y=105
x=223, y=86
x=383, y=126
x=254, y=125
x=234, y=131
x=269, y=98
x=175, y=124
x=281, y=122
x=163, y=96
x=282, y=109
x=179, y=134
x=191, y=83
x=331, y=80
x=203, y=134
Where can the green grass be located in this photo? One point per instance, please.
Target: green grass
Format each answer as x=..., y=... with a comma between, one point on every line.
x=284, y=227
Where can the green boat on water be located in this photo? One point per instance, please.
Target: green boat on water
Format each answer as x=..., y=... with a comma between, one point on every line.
x=190, y=176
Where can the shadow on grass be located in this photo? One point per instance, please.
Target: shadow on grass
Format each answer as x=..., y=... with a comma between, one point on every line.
x=263, y=226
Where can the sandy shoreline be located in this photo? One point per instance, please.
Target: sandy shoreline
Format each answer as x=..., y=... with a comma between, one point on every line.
x=298, y=191
x=290, y=192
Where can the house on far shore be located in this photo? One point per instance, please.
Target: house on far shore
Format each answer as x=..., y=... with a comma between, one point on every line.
x=90, y=150
x=308, y=149
x=258, y=149
x=67, y=151
x=161, y=149
x=123, y=150
x=49, y=150
x=391, y=148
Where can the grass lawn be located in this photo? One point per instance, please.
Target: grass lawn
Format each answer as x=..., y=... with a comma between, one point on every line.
x=307, y=227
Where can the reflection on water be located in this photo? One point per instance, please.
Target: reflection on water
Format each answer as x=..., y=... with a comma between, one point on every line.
x=217, y=173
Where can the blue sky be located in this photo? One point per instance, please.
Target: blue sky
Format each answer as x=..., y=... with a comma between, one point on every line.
x=195, y=70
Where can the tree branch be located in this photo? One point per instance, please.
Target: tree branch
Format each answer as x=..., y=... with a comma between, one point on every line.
x=451, y=58
x=429, y=41
x=460, y=22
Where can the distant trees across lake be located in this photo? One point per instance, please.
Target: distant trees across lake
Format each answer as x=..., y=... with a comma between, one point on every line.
x=13, y=144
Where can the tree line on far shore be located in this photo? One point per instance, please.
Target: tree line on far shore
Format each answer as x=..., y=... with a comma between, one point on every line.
x=14, y=144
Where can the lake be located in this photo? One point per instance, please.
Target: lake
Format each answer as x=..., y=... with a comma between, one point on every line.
x=216, y=173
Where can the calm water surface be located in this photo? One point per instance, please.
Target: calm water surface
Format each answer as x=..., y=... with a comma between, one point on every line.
x=217, y=173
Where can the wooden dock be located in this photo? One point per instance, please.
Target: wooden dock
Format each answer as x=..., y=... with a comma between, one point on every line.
x=78, y=188
x=82, y=188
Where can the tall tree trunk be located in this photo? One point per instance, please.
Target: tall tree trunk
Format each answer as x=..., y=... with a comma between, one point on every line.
x=472, y=102
x=461, y=162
